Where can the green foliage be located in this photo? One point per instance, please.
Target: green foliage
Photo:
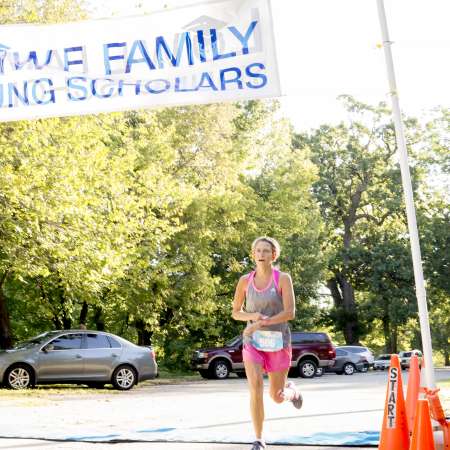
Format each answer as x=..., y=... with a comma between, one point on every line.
x=141, y=223
x=360, y=196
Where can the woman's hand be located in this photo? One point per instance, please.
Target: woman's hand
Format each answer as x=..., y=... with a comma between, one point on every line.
x=257, y=316
x=250, y=329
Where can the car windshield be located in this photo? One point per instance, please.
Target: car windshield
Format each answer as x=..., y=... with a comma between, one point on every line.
x=36, y=340
x=384, y=357
x=233, y=341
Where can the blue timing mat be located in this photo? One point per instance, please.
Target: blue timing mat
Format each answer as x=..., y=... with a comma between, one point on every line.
x=351, y=439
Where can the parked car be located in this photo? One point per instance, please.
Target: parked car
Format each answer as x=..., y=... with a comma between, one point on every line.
x=364, y=351
x=405, y=358
x=77, y=356
x=309, y=351
x=347, y=362
x=382, y=362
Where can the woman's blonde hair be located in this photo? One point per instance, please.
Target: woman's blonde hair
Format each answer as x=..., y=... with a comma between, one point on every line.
x=273, y=242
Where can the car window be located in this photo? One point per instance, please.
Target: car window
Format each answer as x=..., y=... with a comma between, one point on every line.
x=67, y=342
x=322, y=338
x=340, y=352
x=309, y=338
x=384, y=357
x=35, y=340
x=114, y=342
x=356, y=349
x=95, y=340
x=233, y=341
x=407, y=354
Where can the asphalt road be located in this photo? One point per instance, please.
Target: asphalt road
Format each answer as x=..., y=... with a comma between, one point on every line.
x=203, y=411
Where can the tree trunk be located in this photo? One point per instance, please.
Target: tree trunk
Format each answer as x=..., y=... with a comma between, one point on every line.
x=345, y=305
x=83, y=313
x=334, y=289
x=98, y=318
x=446, y=358
x=394, y=338
x=350, y=315
x=144, y=336
x=390, y=341
x=5, y=325
x=65, y=317
x=386, y=334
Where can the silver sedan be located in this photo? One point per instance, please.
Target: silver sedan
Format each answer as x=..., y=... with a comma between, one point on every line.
x=87, y=357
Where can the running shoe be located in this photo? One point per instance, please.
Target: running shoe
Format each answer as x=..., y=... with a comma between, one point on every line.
x=297, y=401
x=258, y=445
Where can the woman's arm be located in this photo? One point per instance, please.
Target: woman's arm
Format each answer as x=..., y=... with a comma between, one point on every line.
x=238, y=303
x=287, y=293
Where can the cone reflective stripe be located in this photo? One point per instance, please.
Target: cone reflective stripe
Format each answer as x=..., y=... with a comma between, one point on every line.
x=394, y=431
x=422, y=437
x=412, y=394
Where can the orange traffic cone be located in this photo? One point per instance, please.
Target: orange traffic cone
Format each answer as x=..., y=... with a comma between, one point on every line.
x=412, y=394
x=394, y=431
x=422, y=437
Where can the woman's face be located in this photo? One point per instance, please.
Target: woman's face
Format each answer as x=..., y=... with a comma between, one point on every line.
x=263, y=254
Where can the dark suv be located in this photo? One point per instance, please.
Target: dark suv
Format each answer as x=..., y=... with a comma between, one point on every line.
x=310, y=351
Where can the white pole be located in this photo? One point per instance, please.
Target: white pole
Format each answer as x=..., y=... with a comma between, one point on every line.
x=410, y=210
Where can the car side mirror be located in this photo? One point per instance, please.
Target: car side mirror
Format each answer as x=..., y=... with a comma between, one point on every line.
x=48, y=348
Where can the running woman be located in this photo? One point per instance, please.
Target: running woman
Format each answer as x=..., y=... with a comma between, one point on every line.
x=269, y=304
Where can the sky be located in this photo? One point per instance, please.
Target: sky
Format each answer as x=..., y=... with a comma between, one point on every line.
x=326, y=48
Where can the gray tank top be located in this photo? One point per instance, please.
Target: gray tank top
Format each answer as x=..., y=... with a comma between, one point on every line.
x=269, y=303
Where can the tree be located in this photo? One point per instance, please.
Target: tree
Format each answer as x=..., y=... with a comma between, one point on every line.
x=359, y=192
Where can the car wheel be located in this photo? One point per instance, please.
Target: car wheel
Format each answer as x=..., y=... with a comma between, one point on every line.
x=349, y=369
x=124, y=378
x=319, y=372
x=364, y=368
x=307, y=368
x=19, y=376
x=220, y=369
x=204, y=373
x=241, y=374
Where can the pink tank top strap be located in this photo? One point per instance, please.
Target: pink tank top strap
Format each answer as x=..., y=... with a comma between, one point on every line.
x=276, y=280
x=250, y=277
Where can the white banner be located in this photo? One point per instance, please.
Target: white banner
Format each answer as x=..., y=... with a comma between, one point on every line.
x=208, y=52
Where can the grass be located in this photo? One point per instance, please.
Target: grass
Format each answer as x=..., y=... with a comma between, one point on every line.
x=444, y=384
x=74, y=390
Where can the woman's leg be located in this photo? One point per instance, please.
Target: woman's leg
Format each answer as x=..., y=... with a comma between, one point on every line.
x=277, y=382
x=255, y=382
x=282, y=390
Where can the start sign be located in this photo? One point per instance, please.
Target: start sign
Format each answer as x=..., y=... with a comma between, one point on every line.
x=392, y=397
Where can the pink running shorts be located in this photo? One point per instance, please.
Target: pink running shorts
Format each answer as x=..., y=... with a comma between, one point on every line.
x=270, y=361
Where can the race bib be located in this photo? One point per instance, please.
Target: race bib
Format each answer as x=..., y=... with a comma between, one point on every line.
x=267, y=341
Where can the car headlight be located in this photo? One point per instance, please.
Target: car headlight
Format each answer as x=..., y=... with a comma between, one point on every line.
x=202, y=354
